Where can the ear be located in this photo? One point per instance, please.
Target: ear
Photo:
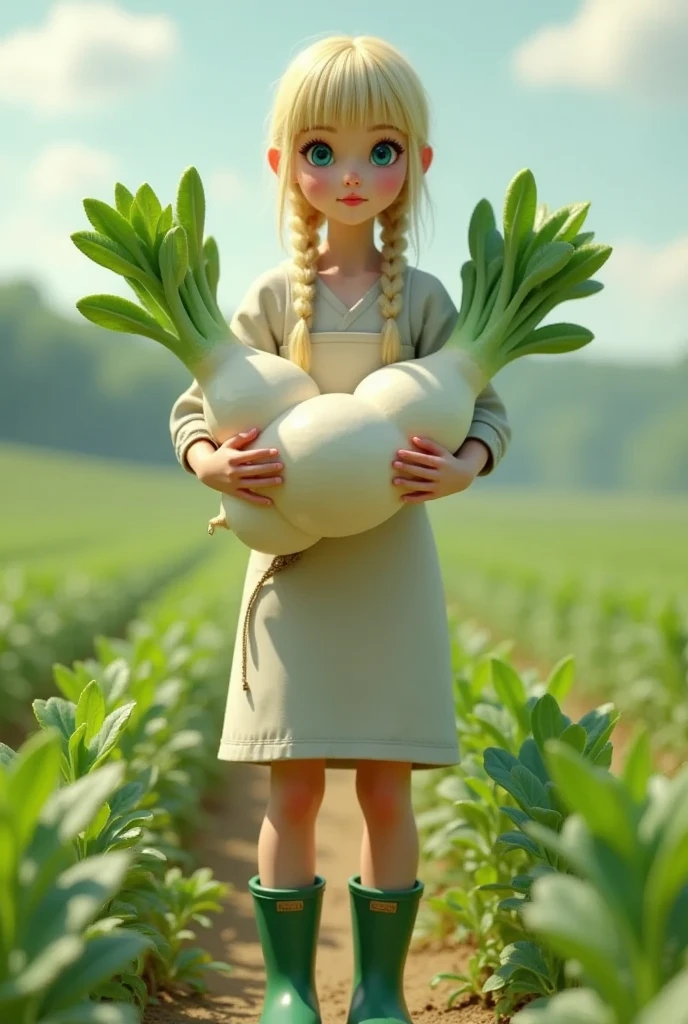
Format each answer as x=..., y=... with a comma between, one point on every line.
x=274, y=159
x=426, y=155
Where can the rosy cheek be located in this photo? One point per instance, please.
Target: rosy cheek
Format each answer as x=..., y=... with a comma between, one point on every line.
x=313, y=183
x=390, y=179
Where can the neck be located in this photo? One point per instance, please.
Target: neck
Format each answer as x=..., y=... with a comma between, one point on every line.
x=350, y=249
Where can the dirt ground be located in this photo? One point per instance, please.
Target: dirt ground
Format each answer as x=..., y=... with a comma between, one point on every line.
x=230, y=850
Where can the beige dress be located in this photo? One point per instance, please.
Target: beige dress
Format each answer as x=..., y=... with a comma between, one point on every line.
x=348, y=653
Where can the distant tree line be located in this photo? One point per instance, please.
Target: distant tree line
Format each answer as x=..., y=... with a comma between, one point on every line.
x=576, y=423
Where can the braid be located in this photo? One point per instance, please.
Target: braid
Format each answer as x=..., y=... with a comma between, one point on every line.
x=394, y=222
x=305, y=222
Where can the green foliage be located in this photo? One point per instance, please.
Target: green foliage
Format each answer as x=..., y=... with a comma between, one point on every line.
x=93, y=810
x=161, y=255
x=620, y=923
x=53, y=616
x=52, y=955
x=479, y=838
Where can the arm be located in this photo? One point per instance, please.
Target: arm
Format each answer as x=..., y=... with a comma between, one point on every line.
x=258, y=323
x=188, y=428
x=435, y=316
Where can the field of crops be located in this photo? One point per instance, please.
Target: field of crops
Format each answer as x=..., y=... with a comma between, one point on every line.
x=569, y=881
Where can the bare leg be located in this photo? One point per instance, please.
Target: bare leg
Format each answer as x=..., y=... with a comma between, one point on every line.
x=389, y=851
x=286, y=847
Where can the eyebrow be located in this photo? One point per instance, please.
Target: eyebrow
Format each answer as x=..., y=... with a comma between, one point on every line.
x=328, y=128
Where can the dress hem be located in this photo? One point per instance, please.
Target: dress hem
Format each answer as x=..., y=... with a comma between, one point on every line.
x=347, y=752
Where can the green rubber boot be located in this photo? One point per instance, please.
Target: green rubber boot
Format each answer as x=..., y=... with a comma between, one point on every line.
x=288, y=921
x=382, y=928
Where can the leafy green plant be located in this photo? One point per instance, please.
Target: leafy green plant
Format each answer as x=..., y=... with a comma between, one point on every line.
x=51, y=955
x=620, y=919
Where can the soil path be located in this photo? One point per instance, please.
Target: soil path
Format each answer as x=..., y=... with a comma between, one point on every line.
x=229, y=849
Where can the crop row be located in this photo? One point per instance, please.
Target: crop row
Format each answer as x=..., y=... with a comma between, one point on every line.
x=632, y=648
x=570, y=882
x=52, y=617
x=100, y=899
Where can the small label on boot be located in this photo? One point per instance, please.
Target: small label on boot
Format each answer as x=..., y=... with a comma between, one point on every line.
x=287, y=906
x=383, y=908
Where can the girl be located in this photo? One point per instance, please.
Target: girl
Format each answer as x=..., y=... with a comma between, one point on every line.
x=349, y=662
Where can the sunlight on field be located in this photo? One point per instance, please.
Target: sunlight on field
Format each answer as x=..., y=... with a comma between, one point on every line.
x=633, y=542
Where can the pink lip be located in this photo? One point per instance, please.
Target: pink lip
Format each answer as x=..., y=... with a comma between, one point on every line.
x=353, y=200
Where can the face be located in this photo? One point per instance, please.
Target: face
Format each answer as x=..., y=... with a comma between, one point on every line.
x=351, y=175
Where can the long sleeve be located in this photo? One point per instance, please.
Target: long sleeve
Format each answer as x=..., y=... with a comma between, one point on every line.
x=434, y=318
x=258, y=323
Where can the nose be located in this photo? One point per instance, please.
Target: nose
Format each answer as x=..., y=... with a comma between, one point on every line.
x=352, y=179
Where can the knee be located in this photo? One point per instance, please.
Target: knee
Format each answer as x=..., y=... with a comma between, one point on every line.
x=296, y=795
x=384, y=796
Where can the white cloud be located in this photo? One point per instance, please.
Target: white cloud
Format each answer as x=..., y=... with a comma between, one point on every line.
x=85, y=54
x=650, y=274
x=69, y=169
x=636, y=46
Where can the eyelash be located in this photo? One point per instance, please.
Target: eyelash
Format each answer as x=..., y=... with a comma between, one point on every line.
x=396, y=146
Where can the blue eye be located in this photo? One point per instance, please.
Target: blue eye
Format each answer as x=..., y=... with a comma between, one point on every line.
x=319, y=154
x=386, y=152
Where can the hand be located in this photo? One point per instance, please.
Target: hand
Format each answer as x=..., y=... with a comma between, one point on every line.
x=238, y=473
x=434, y=472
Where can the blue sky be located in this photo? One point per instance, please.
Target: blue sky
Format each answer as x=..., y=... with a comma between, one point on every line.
x=592, y=95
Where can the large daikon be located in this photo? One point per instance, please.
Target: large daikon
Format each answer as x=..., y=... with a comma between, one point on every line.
x=337, y=449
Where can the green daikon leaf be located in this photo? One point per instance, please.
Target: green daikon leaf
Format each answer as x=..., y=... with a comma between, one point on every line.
x=174, y=257
x=190, y=211
x=117, y=314
x=519, y=208
x=212, y=264
x=123, y=199
x=150, y=208
x=550, y=340
x=576, y=215
x=109, y=222
x=108, y=254
x=545, y=263
x=152, y=305
x=469, y=279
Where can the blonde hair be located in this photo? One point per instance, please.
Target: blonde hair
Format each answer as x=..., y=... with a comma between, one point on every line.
x=351, y=82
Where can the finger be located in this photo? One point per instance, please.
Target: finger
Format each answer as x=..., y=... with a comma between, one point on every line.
x=267, y=481
x=415, y=499
x=254, y=499
x=263, y=469
x=253, y=455
x=401, y=481
x=425, y=442
x=239, y=440
x=416, y=472
x=418, y=458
